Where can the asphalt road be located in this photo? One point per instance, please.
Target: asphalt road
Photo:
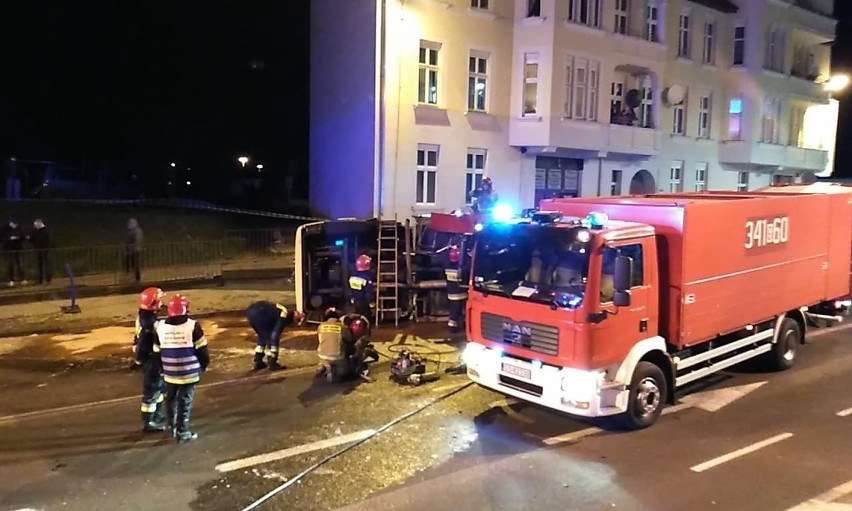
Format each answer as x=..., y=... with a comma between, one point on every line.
x=749, y=441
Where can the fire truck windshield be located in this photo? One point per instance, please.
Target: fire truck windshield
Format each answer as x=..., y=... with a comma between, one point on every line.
x=540, y=263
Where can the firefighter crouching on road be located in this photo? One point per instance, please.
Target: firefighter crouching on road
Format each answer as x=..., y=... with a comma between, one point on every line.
x=361, y=286
x=361, y=348
x=456, y=295
x=183, y=350
x=268, y=321
x=153, y=388
x=332, y=347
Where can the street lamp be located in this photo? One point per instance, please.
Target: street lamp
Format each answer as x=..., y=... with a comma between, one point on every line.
x=259, y=167
x=836, y=83
x=243, y=160
x=173, y=164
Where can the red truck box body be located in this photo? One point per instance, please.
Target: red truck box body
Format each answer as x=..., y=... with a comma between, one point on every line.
x=711, y=282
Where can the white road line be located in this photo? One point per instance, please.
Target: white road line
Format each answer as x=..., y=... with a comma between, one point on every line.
x=294, y=451
x=845, y=413
x=707, y=465
x=825, y=502
x=93, y=404
x=570, y=437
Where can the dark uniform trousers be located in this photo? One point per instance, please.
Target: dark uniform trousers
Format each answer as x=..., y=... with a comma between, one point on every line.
x=362, y=292
x=153, y=386
x=457, y=297
x=268, y=320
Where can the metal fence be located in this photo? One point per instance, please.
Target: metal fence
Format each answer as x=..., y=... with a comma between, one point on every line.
x=158, y=262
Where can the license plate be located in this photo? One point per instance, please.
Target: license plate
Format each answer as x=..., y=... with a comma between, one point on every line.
x=520, y=372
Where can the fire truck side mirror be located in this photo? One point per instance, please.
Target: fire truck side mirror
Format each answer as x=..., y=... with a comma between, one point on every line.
x=621, y=281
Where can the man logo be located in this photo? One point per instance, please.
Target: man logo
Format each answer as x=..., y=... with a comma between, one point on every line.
x=516, y=334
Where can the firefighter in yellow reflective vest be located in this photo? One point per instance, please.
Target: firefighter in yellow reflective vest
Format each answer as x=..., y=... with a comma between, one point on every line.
x=361, y=286
x=456, y=295
x=333, y=337
x=183, y=350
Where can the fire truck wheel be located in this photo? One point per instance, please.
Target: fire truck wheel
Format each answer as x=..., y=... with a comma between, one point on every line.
x=648, y=392
x=783, y=353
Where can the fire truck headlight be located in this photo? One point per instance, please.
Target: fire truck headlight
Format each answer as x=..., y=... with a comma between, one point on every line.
x=581, y=382
x=584, y=236
x=472, y=354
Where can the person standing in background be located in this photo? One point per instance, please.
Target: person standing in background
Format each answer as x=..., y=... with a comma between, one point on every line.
x=133, y=249
x=42, y=241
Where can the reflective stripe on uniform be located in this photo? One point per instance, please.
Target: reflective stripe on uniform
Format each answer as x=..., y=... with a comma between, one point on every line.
x=284, y=311
x=327, y=328
x=452, y=275
x=200, y=343
x=148, y=407
x=456, y=297
x=176, y=380
x=452, y=323
x=180, y=363
x=357, y=283
x=258, y=349
x=271, y=351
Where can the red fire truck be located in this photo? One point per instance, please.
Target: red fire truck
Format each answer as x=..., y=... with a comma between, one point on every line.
x=606, y=306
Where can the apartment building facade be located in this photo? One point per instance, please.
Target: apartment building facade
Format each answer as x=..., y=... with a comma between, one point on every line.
x=413, y=102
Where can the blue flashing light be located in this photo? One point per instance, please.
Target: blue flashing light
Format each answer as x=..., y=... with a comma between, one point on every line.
x=339, y=243
x=503, y=212
x=498, y=351
x=597, y=220
x=478, y=227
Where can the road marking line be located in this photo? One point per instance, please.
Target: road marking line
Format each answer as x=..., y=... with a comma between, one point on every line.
x=830, y=330
x=445, y=388
x=93, y=404
x=707, y=465
x=570, y=437
x=845, y=413
x=835, y=493
x=294, y=451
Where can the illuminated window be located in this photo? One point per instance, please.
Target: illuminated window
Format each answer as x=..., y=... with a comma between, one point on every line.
x=684, y=48
x=676, y=176
x=797, y=121
x=477, y=81
x=585, y=12
x=427, y=83
x=530, y=84
x=474, y=170
x=701, y=176
x=773, y=55
x=622, y=10
x=427, y=174
x=735, y=119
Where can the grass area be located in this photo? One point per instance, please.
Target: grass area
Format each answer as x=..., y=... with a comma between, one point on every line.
x=81, y=225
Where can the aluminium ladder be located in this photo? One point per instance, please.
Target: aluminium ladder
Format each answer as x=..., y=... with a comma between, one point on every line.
x=387, y=273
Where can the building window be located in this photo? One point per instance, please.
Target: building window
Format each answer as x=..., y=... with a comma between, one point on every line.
x=616, y=98
x=771, y=120
x=742, y=182
x=704, y=107
x=804, y=64
x=533, y=8
x=652, y=32
x=585, y=12
x=679, y=119
x=582, y=77
x=427, y=83
x=427, y=174
x=646, y=106
x=739, y=45
x=683, y=47
x=474, y=170
x=701, y=177
x=479, y=4
x=797, y=120
x=622, y=10
x=676, y=177
x=709, y=42
x=615, y=183
x=735, y=119
x=773, y=56
x=477, y=82
x=530, y=84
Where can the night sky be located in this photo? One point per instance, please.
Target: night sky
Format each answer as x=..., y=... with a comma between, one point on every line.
x=132, y=86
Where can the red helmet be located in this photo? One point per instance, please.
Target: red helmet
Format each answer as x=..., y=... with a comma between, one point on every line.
x=151, y=299
x=178, y=306
x=329, y=313
x=363, y=263
x=358, y=327
x=455, y=254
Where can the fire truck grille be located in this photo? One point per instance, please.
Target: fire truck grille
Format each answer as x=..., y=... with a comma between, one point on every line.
x=532, y=336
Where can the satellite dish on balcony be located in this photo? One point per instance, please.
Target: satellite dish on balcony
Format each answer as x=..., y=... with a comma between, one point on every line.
x=633, y=98
x=675, y=94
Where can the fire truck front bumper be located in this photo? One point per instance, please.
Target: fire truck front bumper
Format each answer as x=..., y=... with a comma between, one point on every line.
x=572, y=391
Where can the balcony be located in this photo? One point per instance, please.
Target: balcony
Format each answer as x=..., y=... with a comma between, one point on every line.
x=762, y=156
x=634, y=140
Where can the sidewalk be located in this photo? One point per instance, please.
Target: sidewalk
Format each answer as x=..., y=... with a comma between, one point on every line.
x=45, y=317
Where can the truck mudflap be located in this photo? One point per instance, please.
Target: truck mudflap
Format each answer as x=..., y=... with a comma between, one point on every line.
x=572, y=391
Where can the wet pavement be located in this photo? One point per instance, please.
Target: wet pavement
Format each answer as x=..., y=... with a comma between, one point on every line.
x=778, y=444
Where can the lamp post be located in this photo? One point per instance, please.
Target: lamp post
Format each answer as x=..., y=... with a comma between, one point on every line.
x=243, y=160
